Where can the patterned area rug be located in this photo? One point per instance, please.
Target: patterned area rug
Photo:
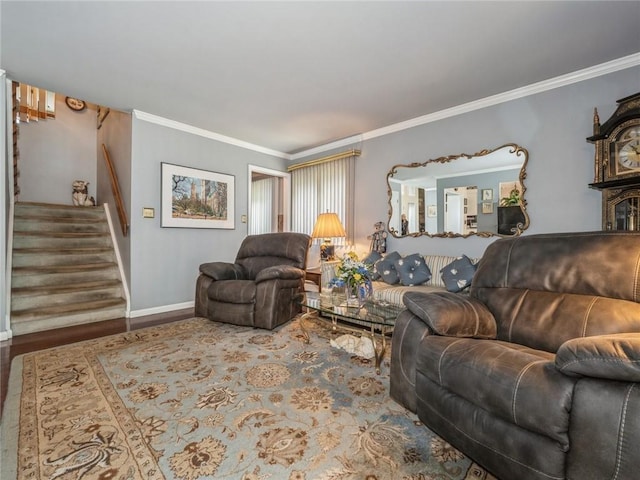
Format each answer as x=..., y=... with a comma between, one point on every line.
x=196, y=399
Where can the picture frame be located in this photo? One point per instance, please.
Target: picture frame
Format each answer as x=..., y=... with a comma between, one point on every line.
x=487, y=207
x=432, y=211
x=195, y=198
x=487, y=194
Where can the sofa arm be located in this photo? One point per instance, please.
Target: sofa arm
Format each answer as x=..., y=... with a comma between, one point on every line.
x=613, y=357
x=282, y=272
x=222, y=271
x=452, y=314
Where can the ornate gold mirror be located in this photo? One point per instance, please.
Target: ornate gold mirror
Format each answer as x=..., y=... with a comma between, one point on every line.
x=460, y=195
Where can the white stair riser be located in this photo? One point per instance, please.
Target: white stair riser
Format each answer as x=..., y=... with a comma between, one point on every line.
x=20, y=302
x=38, y=280
x=36, y=241
x=23, y=327
x=93, y=226
x=57, y=211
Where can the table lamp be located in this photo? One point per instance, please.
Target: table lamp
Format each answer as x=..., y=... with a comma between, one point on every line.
x=328, y=226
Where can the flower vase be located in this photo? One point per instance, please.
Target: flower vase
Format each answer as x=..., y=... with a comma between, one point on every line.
x=353, y=297
x=364, y=292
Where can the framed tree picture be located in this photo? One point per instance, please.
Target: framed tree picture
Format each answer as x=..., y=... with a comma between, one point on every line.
x=194, y=198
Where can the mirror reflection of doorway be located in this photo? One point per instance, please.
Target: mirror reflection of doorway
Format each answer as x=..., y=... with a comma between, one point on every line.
x=269, y=200
x=453, y=211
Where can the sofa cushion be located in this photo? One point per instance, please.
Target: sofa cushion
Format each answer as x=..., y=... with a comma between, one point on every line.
x=545, y=320
x=393, y=294
x=435, y=264
x=518, y=384
x=616, y=357
x=452, y=314
x=233, y=291
x=412, y=270
x=371, y=260
x=458, y=274
x=386, y=268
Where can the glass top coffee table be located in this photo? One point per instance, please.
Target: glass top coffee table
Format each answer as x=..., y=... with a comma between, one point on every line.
x=375, y=318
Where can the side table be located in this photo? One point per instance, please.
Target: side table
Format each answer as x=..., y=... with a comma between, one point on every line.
x=314, y=275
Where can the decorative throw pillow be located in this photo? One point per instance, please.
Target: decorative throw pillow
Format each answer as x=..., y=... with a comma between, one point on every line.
x=458, y=274
x=371, y=260
x=413, y=270
x=386, y=268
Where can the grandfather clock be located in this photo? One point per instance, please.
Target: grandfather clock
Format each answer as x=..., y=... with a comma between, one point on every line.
x=617, y=165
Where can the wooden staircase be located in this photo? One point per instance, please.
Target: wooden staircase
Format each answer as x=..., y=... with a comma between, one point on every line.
x=64, y=268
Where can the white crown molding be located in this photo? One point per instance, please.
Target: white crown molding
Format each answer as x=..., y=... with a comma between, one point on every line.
x=623, y=63
x=165, y=122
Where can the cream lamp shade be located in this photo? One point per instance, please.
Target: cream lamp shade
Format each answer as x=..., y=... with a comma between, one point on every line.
x=328, y=226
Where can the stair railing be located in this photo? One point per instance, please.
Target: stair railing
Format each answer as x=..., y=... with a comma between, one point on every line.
x=115, y=188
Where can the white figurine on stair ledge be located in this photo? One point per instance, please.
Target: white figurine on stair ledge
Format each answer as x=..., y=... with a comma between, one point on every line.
x=362, y=347
x=80, y=195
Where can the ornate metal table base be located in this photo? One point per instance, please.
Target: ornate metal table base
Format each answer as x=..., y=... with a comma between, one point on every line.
x=379, y=347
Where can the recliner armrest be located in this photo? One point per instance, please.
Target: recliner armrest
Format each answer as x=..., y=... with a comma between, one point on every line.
x=222, y=271
x=614, y=357
x=283, y=272
x=452, y=314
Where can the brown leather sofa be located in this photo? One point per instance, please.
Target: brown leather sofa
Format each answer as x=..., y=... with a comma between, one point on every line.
x=535, y=373
x=260, y=288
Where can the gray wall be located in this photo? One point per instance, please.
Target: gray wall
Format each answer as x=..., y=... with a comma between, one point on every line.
x=552, y=125
x=164, y=261
x=55, y=152
x=115, y=134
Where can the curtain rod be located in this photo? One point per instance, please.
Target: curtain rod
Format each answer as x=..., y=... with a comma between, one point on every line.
x=330, y=158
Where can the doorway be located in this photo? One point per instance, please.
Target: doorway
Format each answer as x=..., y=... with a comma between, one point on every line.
x=269, y=201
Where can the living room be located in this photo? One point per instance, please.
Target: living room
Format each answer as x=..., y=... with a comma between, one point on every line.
x=550, y=117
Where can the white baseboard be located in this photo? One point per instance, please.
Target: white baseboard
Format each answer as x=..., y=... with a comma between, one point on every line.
x=7, y=335
x=161, y=309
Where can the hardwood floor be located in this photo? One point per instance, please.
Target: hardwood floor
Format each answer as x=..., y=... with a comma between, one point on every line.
x=63, y=336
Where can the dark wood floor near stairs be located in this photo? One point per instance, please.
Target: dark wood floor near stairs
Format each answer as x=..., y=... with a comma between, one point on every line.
x=63, y=336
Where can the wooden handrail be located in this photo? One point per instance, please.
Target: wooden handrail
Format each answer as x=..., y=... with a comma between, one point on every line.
x=115, y=187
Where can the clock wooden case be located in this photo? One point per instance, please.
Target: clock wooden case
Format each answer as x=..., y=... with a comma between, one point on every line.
x=617, y=165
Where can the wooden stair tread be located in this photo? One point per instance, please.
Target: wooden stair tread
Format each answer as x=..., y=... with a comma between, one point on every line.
x=27, y=233
x=63, y=268
x=70, y=287
x=63, y=250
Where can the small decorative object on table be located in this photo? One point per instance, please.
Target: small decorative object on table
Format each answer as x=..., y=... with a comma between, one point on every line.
x=354, y=276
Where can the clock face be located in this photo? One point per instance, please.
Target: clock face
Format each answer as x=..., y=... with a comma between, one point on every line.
x=628, y=151
x=75, y=104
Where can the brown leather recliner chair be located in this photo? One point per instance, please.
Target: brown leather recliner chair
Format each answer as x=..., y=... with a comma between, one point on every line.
x=535, y=374
x=260, y=288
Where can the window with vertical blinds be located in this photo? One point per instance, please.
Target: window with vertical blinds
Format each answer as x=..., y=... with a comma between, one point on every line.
x=320, y=187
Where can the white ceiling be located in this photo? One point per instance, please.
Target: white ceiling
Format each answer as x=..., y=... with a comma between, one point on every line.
x=289, y=76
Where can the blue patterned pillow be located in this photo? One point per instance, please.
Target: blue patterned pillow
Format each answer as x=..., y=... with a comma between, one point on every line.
x=458, y=274
x=386, y=268
x=413, y=270
x=371, y=260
